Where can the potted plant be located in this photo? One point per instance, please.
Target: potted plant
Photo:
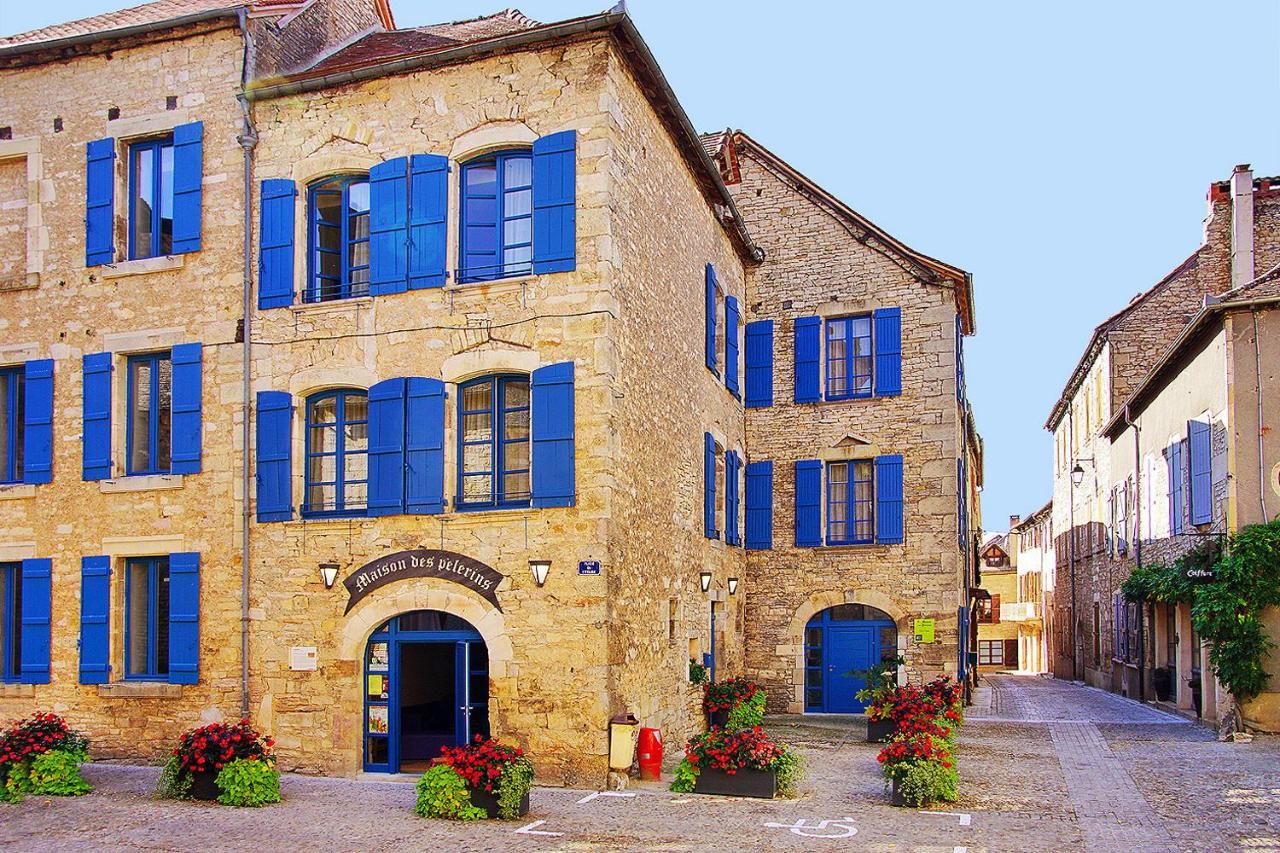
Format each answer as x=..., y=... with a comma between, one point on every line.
x=497, y=779
x=230, y=763
x=734, y=704
x=919, y=768
x=697, y=672
x=42, y=755
x=881, y=681
x=1162, y=681
x=738, y=763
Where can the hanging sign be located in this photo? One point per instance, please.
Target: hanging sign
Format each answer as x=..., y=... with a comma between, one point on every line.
x=924, y=629
x=589, y=567
x=424, y=563
x=1200, y=574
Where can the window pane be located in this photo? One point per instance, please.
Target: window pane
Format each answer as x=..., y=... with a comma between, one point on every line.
x=355, y=437
x=359, y=257
x=355, y=407
x=358, y=199
x=482, y=177
x=813, y=636
x=515, y=393
x=477, y=397
x=477, y=488
x=162, y=618
x=518, y=203
x=140, y=415
x=323, y=439
x=476, y=427
x=9, y=623
x=136, y=615
x=164, y=414
x=516, y=486
x=355, y=467
x=515, y=455
x=329, y=209
x=517, y=260
x=324, y=410
x=166, y=199
x=517, y=231
x=355, y=496
x=477, y=457
x=517, y=425
x=320, y=497
x=143, y=187
x=6, y=426
x=519, y=172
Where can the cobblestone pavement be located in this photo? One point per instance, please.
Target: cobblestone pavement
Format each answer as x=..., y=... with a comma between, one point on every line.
x=1045, y=766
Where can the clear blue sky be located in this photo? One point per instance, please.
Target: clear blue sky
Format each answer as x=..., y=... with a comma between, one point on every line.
x=1059, y=153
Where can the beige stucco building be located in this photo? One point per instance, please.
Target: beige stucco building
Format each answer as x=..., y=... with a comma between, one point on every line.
x=425, y=393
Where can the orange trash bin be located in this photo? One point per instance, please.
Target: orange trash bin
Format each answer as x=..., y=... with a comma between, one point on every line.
x=649, y=749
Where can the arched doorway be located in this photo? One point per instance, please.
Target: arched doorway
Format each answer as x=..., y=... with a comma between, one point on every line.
x=840, y=644
x=426, y=686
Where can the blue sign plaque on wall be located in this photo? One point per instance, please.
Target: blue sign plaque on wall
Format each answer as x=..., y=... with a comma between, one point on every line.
x=589, y=567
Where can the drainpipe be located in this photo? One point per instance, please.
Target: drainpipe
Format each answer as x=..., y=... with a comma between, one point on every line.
x=248, y=139
x=1071, y=535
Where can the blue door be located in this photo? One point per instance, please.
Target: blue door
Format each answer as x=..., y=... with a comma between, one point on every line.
x=841, y=644
x=426, y=686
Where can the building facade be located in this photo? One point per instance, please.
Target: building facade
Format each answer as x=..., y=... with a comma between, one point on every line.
x=436, y=384
x=997, y=612
x=1031, y=543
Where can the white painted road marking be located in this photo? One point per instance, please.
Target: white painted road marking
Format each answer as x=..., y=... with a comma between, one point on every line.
x=965, y=819
x=843, y=827
x=589, y=797
x=531, y=830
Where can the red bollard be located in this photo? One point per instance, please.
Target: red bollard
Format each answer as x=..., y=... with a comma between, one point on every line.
x=649, y=748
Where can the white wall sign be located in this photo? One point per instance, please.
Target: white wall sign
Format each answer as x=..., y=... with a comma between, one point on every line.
x=302, y=658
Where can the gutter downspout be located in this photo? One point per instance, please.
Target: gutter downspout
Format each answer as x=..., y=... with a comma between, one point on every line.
x=1071, y=536
x=1257, y=387
x=248, y=140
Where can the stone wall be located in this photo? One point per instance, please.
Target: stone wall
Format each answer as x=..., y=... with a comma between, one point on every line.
x=297, y=40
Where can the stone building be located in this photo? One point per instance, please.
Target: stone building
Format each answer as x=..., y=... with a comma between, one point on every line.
x=428, y=390
x=1241, y=233
x=1031, y=547
x=995, y=613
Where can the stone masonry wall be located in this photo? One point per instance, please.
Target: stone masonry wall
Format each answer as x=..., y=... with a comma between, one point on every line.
x=309, y=34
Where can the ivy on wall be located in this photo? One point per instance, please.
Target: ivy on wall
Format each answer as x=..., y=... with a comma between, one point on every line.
x=1226, y=611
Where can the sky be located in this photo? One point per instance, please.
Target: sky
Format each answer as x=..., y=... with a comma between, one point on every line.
x=1059, y=152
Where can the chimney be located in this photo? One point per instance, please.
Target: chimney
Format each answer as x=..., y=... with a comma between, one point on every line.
x=1014, y=521
x=1241, y=225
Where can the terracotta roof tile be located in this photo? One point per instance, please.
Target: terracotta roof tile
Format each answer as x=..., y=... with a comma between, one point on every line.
x=148, y=13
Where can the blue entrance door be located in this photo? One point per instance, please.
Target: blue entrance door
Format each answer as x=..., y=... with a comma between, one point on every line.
x=841, y=644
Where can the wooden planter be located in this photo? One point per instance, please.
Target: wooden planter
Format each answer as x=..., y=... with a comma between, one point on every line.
x=204, y=785
x=489, y=802
x=744, y=783
x=880, y=730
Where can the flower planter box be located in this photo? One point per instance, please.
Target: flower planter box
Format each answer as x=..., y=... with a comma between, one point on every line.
x=489, y=802
x=895, y=796
x=720, y=718
x=880, y=730
x=744, y=783
x=204, y=785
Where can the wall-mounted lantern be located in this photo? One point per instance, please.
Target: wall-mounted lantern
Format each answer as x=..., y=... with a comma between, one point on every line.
x=540, y=568
x=329, y=572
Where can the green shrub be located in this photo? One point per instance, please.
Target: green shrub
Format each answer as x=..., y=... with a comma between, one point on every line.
x=442, y=793
x=513, y=784
x=788, y=767
x=697, y=672
x=57, y=773
x=686, y=777
x=248, y=782
x=927, y=782
x=747, y=714
x=174, y=782
x=17, y=782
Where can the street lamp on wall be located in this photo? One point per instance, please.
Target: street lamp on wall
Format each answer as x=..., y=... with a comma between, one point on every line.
x=1077, y=474
x=704, y=580
x=329, y=573
x=733, y=586
x=540, y=568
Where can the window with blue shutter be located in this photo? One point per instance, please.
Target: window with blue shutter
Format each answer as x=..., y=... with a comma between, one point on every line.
x=424, y=446
x=497, y=217
x=12, y=403
x=888, y=489
x=494, y=440
x=553, y=436
x=96, y=408
x=149, y=426
x=759, y=359
x=1176, y=489
x=888, y=335
x=184, y=618
x=188, y=167
x=95, y=627
x=37, y=423
x=151, y=186
x=147, y=632
x=712, y=296
x=554, y=203
x=1198, y=434
x=99, y=213
x=11, y=626
x=759, y=514
x=388, y=226
x=338, y=259
x=428, y=213
x=808, y=348
x=808, y=503
x=337, y=474
x=35, y=615
x=709, y=487
x=960, y=390
x=731, y=500
x=850, y=502
x=274, y=456
x=275, y=243
x=848, y=357
x=386, y=447
x=731, y=344
x=186, y=409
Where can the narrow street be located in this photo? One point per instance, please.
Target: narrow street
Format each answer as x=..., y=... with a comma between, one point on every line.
x=1045, y=766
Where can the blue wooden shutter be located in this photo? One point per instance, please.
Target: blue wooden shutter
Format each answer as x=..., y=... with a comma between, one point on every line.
x=34, y=619
x=959, y=359
x=808, y=502
x=37, y=422
x=711, y=319
x=888, y=346
x=889, y=500
x=808, y=346
x=731, y=344
x=99, y=208
x=386, y=447
x=730, y=498
x=96, y=407
x=760, y=505
x=554, y=205
x=424, y=446
x=759, y=357
x=709, y=487
x=428, y=212
x=188, y=173
x=184, y=618
x=1201, y=477
x=186, y=429
x=389, y=227
x=1176, y=490
x=551, y=388
x=275, y=455
x=95, y=607
x=275, y=243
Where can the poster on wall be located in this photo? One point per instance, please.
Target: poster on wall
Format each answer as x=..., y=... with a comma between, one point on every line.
x=377, y=687
x=378, y=719
x=379, y=657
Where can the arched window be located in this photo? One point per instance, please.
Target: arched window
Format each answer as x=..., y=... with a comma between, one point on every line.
x=497, y=217
x=493, y=442
x=337, y=453
x=338, y=259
